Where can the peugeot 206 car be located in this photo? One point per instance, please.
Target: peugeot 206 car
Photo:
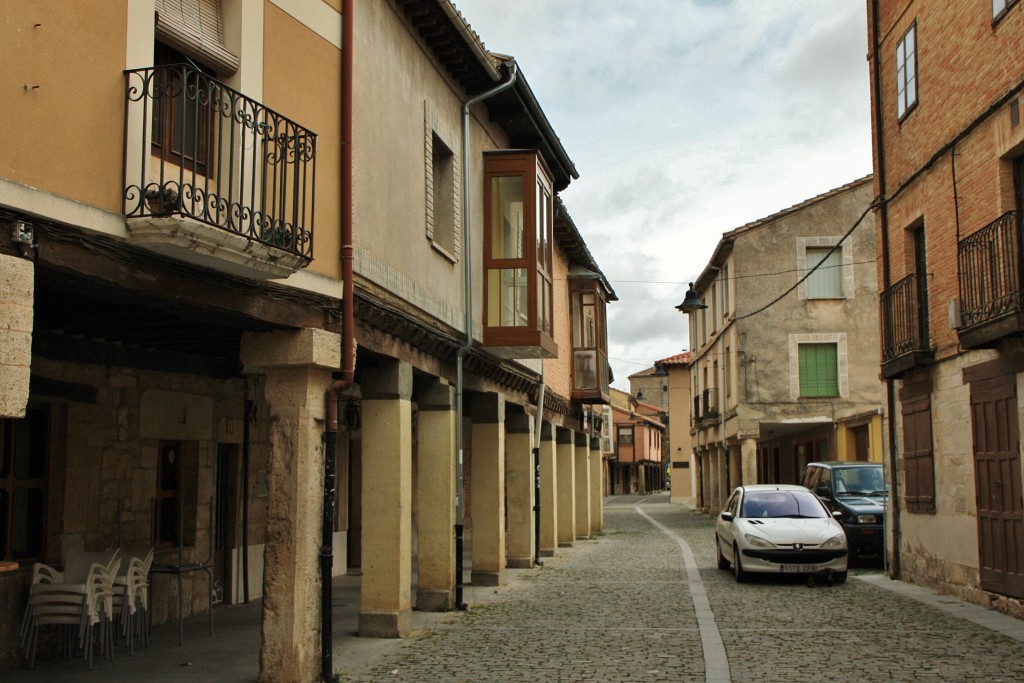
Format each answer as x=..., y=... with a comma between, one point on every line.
x=779, y=529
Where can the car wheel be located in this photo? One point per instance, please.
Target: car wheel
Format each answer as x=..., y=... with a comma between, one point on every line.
x=722, y=562
x=737, y=568
x=839, y=577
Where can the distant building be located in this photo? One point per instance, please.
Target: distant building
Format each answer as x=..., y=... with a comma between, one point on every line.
x=949, y=172
x=782, y=360
x=666, y=385
x=637, y=464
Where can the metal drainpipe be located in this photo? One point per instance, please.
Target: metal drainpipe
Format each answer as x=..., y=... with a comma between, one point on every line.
x=460, y=511
x=890, y=389
x=348, y=361
x=538, y=423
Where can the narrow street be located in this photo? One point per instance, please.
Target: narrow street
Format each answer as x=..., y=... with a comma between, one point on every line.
x=621, y=607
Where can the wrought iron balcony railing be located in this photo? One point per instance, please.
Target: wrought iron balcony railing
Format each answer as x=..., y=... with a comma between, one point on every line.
x=905, y=342
x=990, y=271
x=705, y=406
x=195, y=148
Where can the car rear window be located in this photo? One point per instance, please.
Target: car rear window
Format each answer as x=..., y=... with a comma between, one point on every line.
x=795, y=504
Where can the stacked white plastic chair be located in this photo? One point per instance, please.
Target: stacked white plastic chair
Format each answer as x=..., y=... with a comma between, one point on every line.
x=78, y=600
x=131, y=600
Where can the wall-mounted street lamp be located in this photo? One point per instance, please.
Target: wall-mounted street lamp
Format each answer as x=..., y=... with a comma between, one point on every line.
x=692, y=302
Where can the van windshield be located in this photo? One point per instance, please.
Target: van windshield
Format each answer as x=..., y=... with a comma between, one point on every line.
x=860, y=481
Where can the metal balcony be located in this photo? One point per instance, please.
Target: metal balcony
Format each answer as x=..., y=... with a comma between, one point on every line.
x=990, y=283
x=705, y=407
x=905, y=343
x=215, y=177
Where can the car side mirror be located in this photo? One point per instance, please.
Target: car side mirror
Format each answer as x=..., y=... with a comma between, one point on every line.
x=838, y=514
x=727, y=516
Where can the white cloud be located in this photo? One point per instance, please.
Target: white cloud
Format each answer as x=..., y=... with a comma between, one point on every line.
x=685, y=119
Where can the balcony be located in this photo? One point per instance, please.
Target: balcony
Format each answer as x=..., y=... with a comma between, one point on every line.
x=215, y=178
x=705, y=407
x=990, y=283
x=904, y=328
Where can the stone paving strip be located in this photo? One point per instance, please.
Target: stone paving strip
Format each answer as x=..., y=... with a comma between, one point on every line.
x=633, y=605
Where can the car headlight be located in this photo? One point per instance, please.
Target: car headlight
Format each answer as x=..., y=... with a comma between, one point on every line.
x=866, y=519
x=837, y=541
x=758, y=542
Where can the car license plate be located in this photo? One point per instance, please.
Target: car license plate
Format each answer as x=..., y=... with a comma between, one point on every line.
x=798, y=568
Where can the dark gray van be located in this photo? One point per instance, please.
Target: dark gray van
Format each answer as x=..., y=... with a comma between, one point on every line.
x=858, y=491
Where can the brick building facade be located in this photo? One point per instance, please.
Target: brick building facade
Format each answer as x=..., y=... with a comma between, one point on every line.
x=948, y=155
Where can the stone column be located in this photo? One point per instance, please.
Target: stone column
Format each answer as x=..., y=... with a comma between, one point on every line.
x=596, y=486
x=722, y=469
x=435, y=486
x=581, y=472
x=706, y=480
x=565, y=458
x=17, y=295
x=297, y=366
x=748, y=461
x=385, y=609
x=487, y=479
x=519, y=487
x=548, y=491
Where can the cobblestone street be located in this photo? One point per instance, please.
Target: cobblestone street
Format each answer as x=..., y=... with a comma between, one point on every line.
x=620, y=608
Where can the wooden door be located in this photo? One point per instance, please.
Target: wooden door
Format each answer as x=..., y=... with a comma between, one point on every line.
x=861, y=444
x=225, y=520
x=995, y=433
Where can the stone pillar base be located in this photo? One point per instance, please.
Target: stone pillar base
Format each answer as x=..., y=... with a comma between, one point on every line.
x=547, y=553
x=385, y=625
x=583, y=538
x=565, y=544
x=519, y=562
x=434, y=601
x=488, y=578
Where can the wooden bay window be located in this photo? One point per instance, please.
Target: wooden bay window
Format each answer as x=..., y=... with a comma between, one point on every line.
x=589, y=337
x=518, y=244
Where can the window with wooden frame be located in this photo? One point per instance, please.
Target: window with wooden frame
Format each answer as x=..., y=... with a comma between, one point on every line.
x=443, y=187
x=906, y=72
x=918, y=454
x=626, y=435
x=24, y=451
x=589, y=338
x=518, y=255
x=819, y=370
x=184, y=96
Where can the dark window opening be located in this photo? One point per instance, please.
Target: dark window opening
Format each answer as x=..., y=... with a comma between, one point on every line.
x=23, y=468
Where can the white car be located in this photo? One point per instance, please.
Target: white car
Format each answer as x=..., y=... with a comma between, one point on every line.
x=779, y=529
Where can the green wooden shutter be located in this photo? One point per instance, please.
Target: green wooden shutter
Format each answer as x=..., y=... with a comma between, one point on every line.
x=819, y=371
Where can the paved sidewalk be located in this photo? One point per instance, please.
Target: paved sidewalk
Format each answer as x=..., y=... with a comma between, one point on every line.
x=641, y=602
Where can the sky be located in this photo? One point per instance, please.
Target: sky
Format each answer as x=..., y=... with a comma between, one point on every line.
x=686, y=119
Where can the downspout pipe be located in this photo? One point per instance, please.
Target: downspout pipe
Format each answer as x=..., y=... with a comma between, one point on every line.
x=538, y=424
x=460, y=511
x=883, y=214
x=348, y=360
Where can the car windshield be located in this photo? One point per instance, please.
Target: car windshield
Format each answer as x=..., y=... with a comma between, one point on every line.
x=860, y=481
x=793, y=504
